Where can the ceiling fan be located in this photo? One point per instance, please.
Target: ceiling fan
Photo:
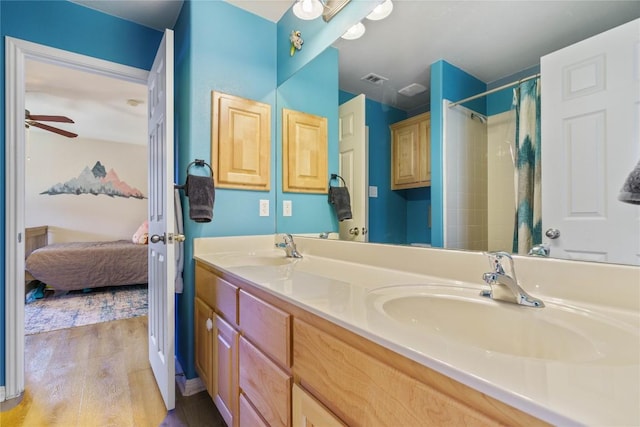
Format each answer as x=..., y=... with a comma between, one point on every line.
x=34, y=120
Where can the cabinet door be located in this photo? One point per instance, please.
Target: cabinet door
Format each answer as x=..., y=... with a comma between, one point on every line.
x=308, y=412
x=225, y=381
x=424, y=129
x=240, y=142
x=203, y=341
x=406, y=156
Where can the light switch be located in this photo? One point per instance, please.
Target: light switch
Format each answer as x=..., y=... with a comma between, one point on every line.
x=287, y=209
x=373, y=191
x=264, y=207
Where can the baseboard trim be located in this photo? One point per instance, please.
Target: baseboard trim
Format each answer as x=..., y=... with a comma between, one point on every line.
x=6, y=405
x=188, y=387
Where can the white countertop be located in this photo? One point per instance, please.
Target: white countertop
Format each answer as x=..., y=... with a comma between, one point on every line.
x=582, y=391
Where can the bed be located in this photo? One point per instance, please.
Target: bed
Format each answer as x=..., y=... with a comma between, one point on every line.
x=83, y=265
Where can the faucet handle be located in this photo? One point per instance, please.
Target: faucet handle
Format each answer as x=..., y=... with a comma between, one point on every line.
x=495, y=261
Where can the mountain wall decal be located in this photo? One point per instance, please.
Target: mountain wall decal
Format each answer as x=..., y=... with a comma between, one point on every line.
x=96, y=181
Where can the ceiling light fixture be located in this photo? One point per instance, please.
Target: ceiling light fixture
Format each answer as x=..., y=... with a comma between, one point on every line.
x=381, y=11
x=308, y=9
x=354, y=32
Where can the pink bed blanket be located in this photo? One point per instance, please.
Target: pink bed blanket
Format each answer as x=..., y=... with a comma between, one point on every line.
x=81, y=265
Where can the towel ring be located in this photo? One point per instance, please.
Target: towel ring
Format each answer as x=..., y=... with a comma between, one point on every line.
x=197, y=162
x=201, y=163
x=335, y=177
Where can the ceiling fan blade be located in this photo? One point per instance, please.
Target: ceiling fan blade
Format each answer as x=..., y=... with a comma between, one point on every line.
x=60, y=119
x=52, y=129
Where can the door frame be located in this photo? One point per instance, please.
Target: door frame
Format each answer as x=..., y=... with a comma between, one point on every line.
x=16, y=53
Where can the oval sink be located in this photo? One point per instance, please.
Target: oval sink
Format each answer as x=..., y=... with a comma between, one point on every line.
x=555, y=332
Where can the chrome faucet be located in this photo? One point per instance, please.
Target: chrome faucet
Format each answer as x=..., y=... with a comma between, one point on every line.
x=289, y=247
x=503, y=286
x=542, y=250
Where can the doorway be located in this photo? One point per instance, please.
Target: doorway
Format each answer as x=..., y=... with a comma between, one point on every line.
x=16, y=54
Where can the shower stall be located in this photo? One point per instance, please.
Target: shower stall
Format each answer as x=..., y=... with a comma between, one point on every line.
x=478, y=179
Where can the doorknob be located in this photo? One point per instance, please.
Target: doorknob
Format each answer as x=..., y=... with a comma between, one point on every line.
x=179, y=237
x=552, y=233
x=354, y=231
x=155, y=238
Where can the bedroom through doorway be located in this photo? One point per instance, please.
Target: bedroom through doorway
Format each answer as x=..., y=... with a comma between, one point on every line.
x=85, y=197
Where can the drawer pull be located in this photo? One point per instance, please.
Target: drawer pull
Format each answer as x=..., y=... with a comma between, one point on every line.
x=209, y=324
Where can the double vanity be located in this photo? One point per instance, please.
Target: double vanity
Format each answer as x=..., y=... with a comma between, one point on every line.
x=353, y=334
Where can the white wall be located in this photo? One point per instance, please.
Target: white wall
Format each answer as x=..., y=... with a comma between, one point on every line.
x=501, y=191
x=53, y=159
x=465, y=180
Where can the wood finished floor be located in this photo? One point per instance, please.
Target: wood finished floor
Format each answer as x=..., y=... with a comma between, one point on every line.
x=99, y=375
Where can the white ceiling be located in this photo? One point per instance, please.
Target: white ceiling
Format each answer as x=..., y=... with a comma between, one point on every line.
x=488, y=39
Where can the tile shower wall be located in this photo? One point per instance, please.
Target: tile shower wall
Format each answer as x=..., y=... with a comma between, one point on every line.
x=501, y=190
x=465, y=180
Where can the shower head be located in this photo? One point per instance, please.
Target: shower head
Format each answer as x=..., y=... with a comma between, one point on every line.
x=480, y=117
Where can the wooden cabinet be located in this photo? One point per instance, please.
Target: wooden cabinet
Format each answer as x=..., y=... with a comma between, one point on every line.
x=341, y=378
x=224, y=390
x=308, y=412
x=240, y=142
x=304, y=152
x=265, y=358
x=216, y=341
x=411, y=153
x=243, y=352
x=204, y=342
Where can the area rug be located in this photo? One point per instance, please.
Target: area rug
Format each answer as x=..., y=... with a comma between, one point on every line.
x=78, y=308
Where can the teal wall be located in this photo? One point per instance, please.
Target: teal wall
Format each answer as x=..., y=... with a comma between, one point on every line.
x=452, y=83
x=317, y=35
x=65, y=25
x=313, y=90
x=219, y=47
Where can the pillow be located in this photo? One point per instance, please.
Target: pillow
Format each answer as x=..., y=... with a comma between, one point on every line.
x=141, y=236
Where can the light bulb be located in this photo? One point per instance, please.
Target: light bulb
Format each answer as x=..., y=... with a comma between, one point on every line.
x=381, y=11
x=308, y=9
x=355, y=32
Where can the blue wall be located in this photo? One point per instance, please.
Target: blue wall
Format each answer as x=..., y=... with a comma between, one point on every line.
x=208, y=58
x=74, y=28
x=313, y=90
x=317, y=35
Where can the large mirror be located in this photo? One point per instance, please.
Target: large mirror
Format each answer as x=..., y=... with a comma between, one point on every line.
x=485, y=51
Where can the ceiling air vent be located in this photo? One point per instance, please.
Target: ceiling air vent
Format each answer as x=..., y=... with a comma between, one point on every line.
x=412, y=89
x=374, y=78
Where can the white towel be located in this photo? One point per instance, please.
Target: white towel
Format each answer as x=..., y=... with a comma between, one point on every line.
x=179, y=229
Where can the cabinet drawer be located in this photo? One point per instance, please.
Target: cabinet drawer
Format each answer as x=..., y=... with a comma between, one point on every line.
x=307, y=411
x=226, y=300
x=205, y=285
x=248, y=415
x=364, y=391
x=266, y=386
x=267, y=327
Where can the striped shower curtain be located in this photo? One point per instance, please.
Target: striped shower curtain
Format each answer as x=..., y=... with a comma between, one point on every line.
x=528, y=226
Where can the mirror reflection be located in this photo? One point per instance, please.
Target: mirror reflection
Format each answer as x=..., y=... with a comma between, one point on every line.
x=420, y=215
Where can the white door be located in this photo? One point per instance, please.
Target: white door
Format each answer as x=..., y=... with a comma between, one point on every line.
x=353, y=167
x=590, y=143
x=161, y=221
